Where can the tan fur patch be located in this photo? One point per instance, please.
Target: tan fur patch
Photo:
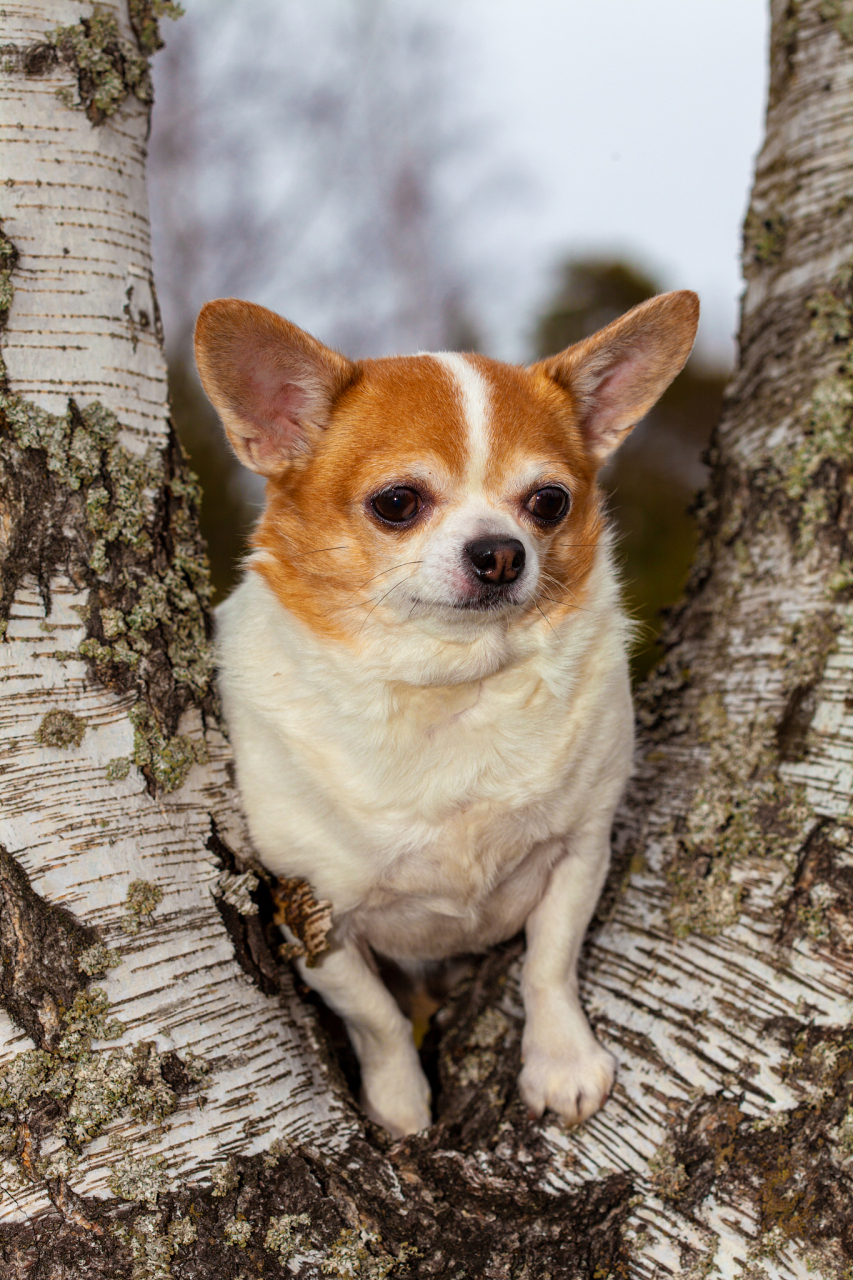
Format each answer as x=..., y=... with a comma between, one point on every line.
x=323, y=553
x=400, y=418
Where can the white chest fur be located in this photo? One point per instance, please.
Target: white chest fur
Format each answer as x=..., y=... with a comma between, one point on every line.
x=429, y=816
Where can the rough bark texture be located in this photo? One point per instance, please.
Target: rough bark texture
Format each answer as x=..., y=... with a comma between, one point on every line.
x=718, y=970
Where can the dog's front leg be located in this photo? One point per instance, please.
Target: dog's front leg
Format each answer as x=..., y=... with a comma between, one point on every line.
x=565, y=1068
x=394, y=1090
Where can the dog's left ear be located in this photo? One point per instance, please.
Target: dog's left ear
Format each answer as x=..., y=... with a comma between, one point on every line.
x=616, y=375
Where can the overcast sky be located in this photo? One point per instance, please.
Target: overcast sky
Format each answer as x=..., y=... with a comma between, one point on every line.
x=616, y=127
x=636, y=122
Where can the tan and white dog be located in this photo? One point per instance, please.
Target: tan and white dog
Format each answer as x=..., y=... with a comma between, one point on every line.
x=424, y=669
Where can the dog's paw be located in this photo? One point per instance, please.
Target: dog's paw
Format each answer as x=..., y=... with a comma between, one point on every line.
x=395, y=1095
x=572, y=1080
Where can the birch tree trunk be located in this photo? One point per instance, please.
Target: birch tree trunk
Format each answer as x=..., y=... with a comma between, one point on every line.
x=719, y=967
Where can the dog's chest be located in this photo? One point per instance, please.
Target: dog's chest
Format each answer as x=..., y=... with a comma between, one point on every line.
x=456, y=777
x=439, y=799
x=426, y=792
x=412, y=804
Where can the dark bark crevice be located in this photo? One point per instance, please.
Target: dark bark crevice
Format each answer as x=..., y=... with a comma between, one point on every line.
x=255, y=937
x=788, y=1168
x=466, y=1199
x=77, y=505
x=40, y=948
x=344, y=1207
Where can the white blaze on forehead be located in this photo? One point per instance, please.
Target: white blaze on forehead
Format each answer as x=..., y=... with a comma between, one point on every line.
x=474, y=394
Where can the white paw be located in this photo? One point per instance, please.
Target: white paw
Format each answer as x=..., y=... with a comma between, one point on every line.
x=395, y=1095
x=574, y=1080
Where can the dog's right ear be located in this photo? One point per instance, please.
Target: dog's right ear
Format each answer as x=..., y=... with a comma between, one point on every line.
x=273, y=385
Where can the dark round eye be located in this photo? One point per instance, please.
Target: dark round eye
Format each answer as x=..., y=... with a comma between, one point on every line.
x=549, y=504
x=398, y=505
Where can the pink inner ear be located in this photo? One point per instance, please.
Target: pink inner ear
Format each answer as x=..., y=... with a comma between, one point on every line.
x=272, y=384
x=614, y=400
x=275, y=407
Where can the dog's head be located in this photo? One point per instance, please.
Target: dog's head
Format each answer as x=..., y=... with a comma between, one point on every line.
x=449, y=494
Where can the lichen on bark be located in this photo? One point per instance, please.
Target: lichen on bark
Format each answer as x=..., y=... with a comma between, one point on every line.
x=723, y=807
x=797, y=490
x=61, y=729
x=65, y=1092
x=140, y=904
x=124, y=527
x=840, y=13
x=108, y=68
x=143, y=17
x=764, y=235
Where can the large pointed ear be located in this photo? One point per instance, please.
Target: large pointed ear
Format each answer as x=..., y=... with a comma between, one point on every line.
x=615, y=376
x=273, y=385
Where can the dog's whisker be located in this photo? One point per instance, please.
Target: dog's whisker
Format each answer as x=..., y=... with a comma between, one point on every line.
x=403, y=564
x=545, y=579
x=354, y=591
x=565, y=591
x=384, y=597
x=544, y=615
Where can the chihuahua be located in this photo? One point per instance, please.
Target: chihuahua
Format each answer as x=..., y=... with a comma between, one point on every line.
x=424, y=668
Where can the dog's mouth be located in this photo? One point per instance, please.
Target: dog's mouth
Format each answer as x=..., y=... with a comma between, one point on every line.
x=487, y=604
x=496, y=600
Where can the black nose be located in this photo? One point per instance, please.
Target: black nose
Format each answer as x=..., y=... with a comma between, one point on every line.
x=496, y=560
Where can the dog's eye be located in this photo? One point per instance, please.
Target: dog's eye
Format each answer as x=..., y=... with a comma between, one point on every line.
x=549, y=504
x=397, y=506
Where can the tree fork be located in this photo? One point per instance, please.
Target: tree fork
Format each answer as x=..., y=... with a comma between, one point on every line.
x=720, y=964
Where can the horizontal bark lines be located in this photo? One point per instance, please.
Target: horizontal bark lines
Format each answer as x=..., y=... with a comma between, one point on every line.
x=75, y=205
x=720, y=971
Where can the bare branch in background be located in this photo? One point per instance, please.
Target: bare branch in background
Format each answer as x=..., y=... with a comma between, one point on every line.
x=314, y=161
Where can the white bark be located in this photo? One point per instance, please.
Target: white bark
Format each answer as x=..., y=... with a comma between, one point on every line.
x=725, y=929
x=75, y=206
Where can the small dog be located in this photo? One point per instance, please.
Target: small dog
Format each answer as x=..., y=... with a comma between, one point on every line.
x=424, y=669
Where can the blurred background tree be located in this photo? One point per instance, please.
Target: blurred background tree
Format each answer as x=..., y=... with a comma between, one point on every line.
x=333, y=181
